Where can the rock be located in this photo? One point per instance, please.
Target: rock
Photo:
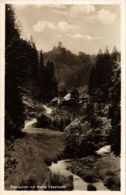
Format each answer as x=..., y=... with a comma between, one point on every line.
x=67, y=97
x=104, y=150
x=48, y=162
x=68, y=103
x=91, y=187
x=90, y=178
x=48, y=110
x=55, y=101
x=44, y=120
x=112, y=182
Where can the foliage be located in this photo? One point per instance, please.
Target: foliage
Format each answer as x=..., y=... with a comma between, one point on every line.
x=57, y=120
x=100, y=77
x=14, y=117
x=61, y=119
x=77, y=140
x=50, y=81
x=71, y=70
x=104, y=89
x=115, y=95
x=24, y=71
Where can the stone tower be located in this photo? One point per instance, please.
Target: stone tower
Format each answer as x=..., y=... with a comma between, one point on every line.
x=59, y=44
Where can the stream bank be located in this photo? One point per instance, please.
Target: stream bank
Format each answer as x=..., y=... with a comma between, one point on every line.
x=83, y=171
x=61, y=168
x=26, y=158
x=37, y=156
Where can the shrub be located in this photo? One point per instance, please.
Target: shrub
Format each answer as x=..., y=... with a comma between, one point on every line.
x=58, y=119
x=13, y=128
x=77, y=139
x=61, y=120
x=89, y=178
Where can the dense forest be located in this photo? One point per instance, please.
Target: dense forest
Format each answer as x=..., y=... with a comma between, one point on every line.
x=89, y=117
x=25, y=71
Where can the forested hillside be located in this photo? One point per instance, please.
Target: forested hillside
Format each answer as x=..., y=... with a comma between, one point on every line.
x=71, y=70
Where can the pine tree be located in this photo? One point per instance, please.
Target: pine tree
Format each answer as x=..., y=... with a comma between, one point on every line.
x=100, y=78
x=14, y=117
x=95, y=73
x=115, y=95
x=50, y=80
x=42, y=78
x=104, y=86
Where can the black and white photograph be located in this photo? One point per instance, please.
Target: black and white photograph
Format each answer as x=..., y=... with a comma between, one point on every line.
x=63, y=86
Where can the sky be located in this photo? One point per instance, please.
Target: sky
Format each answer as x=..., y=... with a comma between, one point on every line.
x=85, y=28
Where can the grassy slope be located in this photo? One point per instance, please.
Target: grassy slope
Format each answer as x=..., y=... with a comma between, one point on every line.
x=26, y=158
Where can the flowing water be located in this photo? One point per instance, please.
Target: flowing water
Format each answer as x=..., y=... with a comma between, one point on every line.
x=61, y=166
x=47, y=109
x=79, y=184
x=28, y=124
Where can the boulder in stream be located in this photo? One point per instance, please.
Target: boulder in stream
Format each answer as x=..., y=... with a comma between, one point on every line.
x=91, y=187
x=44, y=120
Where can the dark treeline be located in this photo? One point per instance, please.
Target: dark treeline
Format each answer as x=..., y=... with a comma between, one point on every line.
x=104, y=89
x=98, y=121
x=25, y=71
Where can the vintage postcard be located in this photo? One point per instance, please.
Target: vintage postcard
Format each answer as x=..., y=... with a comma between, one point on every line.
x=62, y=103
